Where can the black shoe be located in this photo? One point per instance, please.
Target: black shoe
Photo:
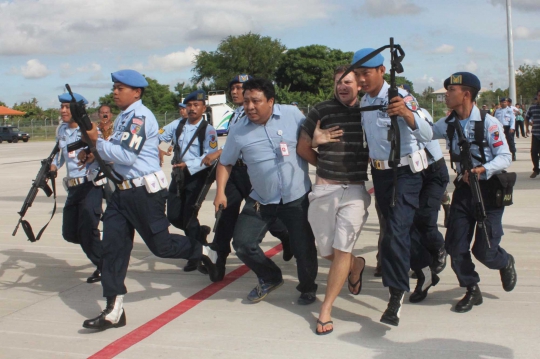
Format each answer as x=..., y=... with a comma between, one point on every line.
x=220, y=265
x=472, y=297
x=439, y=262
x=306, y=298
x=191, y=265
x=391, y=314
x=426, y=279
x=287, y=252
x=209, y=259
x=378, y=272
x=95, y=277
x=446, y=208
x=203, y=234
x=509, y=275
x=413, y=275
x=110, y=317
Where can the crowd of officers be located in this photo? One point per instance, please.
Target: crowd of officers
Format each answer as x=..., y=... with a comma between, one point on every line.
x=264, y=163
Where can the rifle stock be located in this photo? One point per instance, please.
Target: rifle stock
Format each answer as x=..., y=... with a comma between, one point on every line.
x=394, y=135
x=210, y=178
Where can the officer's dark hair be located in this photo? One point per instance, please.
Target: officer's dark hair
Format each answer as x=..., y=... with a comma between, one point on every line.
x=263, y=85
x=472, y=91
x=340, y=69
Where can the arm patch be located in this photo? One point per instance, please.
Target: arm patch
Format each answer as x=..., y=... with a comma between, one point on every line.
x=134, y=135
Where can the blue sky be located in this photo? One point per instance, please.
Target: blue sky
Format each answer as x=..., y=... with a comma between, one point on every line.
x=47, y=43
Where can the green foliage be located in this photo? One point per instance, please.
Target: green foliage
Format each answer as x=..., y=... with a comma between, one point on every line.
x=31, y=108
x=245, y=54
x=528, y=82
x=3, y=104
x=310, y=68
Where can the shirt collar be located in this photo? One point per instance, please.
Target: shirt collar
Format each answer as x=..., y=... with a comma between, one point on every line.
x=131, y=107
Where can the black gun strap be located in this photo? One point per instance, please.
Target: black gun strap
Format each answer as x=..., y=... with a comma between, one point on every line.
x=53, y=185
x=478, y=136
x=199, y=132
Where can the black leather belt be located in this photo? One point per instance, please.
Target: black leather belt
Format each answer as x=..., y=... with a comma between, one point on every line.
x=240, y=163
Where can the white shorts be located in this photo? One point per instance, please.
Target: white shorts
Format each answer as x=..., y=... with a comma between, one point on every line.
x=337, y=214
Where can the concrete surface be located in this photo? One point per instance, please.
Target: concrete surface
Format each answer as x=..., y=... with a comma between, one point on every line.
x=44, y=297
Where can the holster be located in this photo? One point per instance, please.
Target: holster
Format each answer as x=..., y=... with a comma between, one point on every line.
x=500, y=189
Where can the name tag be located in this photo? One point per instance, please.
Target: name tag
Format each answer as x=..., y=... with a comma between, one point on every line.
x=72, y=154
x=284, y=149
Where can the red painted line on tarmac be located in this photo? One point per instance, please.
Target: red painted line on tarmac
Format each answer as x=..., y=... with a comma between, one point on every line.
x=149, y=328
x=371, y=190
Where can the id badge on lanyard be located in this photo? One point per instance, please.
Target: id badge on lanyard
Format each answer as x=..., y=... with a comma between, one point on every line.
x=282, y=145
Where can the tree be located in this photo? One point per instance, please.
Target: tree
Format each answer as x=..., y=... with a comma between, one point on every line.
x=528, y=82
x=2, y=104
x=310, y=68
x=157, y=97
x=428, y=93
x=31, y=108
x=245, y=54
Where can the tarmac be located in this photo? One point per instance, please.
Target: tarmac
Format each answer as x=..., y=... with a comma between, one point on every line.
x=44, y=297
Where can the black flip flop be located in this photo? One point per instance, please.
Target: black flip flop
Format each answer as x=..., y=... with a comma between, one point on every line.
x=322, y=325
x=353, y=285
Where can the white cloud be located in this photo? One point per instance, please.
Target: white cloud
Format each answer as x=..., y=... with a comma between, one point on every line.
x=73, y=26
x=471, y=66
x=470, y=50
x=379, y=8
x=93, y=67
x=175, y=61
x=33, y=70
x=524, y=33
x=444, y=49
x=523, y=5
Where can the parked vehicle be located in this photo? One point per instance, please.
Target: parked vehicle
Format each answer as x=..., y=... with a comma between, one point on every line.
x=13, y=134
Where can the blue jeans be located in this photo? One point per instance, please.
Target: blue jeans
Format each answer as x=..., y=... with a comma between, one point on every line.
x=250, y=231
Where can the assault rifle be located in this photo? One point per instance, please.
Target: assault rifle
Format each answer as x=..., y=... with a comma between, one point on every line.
x=466, y=164
x=210, y=178
x=40, y=181
x=79, y=115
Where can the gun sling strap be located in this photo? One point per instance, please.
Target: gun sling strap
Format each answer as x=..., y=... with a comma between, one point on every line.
x=200, y=133
x=27, y=228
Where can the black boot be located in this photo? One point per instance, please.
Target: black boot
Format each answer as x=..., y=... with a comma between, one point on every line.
x=191, y=265
x=194, y=264
x=95, y=277
x=391, y=314
x=472, y=297
x=114, y=315
x=209, y=259
x=509, y=275
x=426, y=279
x=287, y=251
x=220, y=264
x=439, y=261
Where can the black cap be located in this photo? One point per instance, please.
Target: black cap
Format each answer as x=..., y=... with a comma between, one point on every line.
x=464, y=79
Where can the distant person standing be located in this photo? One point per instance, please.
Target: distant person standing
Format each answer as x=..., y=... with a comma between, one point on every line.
x=533, y=116
x=520, y=122
x=506, y=116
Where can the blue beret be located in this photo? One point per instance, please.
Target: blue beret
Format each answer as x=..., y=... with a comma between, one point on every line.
x=464, y=79
x=406, y=87
x=66, y=97
x=129, y=77
x=181, y=105
x=504, y=99
x=377, y=61
x=294, y=103
x=240, y=79
x=198, y=95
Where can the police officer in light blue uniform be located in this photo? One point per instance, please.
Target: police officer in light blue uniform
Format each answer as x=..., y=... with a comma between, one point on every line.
x=139, y=200
x=507, y=118
x=399, y=251
x=462, y=89
x=83, y=209
x=188, y=156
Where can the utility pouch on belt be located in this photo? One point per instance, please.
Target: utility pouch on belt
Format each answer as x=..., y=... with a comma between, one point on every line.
x=92, y=177
x=162, y=179
x=501, y=188
x=151, y=183
x=418, y=161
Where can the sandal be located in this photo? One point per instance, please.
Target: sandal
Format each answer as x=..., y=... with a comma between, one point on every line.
x=322, y=325
x=359, y=281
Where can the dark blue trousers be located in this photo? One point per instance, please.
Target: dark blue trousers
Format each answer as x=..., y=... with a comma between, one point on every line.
x=460, y=233
x=137, y=210
x=237, y=189
x=400, y=251
x=249, y=233
x=434, y=182
x=81, y=216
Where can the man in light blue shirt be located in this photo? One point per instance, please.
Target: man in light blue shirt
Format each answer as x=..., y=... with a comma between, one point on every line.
x=193, y=139
x=138, y=203
x=267, y=138
x=83, y=208
x=507, y=118
x=397, y=244
x=490, y=156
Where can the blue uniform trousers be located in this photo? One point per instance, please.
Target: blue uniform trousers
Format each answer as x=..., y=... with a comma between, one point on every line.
x=237, y=189
x=460, y=233
x=399, y=250
x=510, y=138
x=249, y=233
x=180, y=209
x=81, y=216
x=434, y=182
x=136, y=209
